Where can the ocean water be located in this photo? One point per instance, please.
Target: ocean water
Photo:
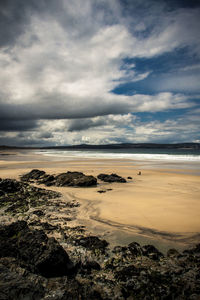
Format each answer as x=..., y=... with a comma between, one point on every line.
x=167, y=155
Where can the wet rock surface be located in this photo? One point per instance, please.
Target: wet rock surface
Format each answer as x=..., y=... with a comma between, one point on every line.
x=19, y=196
x=34, y=250
x=111, y=178
x=15, y=285
x=76, y=179
x=45, y=257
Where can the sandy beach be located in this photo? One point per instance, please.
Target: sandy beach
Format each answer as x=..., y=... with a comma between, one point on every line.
x=162, y=206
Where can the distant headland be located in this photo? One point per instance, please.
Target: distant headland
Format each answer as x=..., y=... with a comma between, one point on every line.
x=185, y=146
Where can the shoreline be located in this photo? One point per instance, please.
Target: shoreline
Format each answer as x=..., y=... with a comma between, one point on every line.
x=134, y=219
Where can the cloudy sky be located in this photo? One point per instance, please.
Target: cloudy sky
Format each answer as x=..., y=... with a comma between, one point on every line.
x=99, y=71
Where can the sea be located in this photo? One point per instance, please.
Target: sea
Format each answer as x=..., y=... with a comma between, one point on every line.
x=171, y=158
x=184, y=155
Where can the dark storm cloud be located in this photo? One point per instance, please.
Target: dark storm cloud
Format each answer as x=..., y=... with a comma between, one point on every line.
x=15, y=15
x=84, y=124
x=17, y=125
x=59, y=108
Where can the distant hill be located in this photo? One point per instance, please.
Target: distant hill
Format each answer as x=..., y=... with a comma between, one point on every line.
x=184, y=146
x=130, y=146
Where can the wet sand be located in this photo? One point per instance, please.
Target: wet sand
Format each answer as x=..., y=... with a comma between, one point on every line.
x=161, y=207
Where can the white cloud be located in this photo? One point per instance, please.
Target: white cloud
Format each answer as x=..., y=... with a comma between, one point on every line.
x=65, y=64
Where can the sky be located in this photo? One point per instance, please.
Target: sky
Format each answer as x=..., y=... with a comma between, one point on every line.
x=99, y=72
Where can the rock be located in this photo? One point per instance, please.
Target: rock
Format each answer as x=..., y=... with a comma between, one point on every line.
x=120, y=249
x=194, y=250
x=111, y=178
x=38, y=213
x=20, y=196
x=75, y=290
x=48, y=180
x=2, y=193
x=151, y=252
x=34, y=174
x=172, y=253
x=64, y=179
x=75, y=179
x=34, y=250
x=87, y=267
x=135, y=249
x=127, y=272
x=92, y=243
x=10, y=186
x=15, y=286
x=48, y=227
x=101, y=191
x=129, y=177
x=139, y=173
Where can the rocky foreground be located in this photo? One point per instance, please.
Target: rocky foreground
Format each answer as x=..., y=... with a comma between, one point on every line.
x=44, y=257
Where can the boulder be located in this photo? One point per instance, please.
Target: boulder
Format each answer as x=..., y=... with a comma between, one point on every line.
x=75, y=179
x=34, y=250
x=152, y=252
x=135, y=249
x=111, y=178
x=35, y=174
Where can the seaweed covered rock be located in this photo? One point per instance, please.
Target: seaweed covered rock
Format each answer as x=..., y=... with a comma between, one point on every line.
x=10, y=186
x=35, y=174
x=75, y=179
x=18, y=196
x=34, y=250
x=111, y=178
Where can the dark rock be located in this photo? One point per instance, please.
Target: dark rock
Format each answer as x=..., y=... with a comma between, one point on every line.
x=151, y=252
x=2, y=193
x=48, y=227
x=119, y=249
x=20, y=196
x=10, y=186
x=34, y=174
x=18, y=207
x=48, y=180
x=135, y=249
x=64, y=179
x=194, y=250
x=127, y=272
x=34, y=250
x=129, y=177
x=101, y=191
x=172, y=253
x=38, y=213
x=74, y=290
x=111, y=178
x=87, y=267
x=75, y=179
x=92, y=243
x=14, y=286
